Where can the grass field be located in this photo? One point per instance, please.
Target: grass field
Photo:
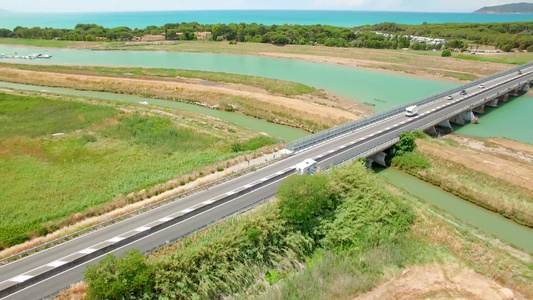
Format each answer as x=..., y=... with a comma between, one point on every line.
x=257, y=106
x=104, y=152
x=271, y=85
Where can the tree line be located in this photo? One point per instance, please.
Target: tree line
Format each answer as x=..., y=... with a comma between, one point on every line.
x=505, y=36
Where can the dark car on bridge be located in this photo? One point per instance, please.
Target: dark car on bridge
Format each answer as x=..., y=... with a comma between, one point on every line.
x=463, y=92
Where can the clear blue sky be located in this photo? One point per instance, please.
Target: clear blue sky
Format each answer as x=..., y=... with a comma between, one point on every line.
x=160, y=5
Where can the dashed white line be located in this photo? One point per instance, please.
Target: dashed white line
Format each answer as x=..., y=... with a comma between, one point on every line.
x=118, y=238
x=207, y=202
x=56, y=263
x=20, y=278
x=230, y=193
x=90, y=250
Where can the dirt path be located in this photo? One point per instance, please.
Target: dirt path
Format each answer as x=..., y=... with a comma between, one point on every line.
x=440, y=282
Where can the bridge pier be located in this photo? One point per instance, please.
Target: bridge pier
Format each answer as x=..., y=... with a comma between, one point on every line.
x=369, y=163
x=480, y=109
x=525, y=88
x=457, y=120
x=492, y=103
x=431, y=131
x=514, y=93
x=379, y=158
x=503, y=98
x=468, y=116
x=446, y=124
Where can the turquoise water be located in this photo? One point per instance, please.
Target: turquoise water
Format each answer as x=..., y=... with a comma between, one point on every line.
x=357, y=84
x=490, y=222
x=338, y=18
x=512, y=120
x=285, y=133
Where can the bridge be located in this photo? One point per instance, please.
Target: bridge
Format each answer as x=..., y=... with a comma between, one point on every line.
x=45, y=272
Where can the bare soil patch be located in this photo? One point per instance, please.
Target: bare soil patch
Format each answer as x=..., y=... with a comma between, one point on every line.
x=436, y=281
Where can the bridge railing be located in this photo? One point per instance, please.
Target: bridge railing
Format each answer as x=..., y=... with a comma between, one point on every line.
x=330, y=133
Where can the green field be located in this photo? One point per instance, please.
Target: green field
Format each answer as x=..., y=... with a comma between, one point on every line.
x=104, y=152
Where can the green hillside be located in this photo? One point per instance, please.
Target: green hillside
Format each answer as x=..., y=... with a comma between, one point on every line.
x=513, y=8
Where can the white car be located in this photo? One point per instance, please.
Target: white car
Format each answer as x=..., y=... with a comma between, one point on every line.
x=481, y=86
x=450, y=97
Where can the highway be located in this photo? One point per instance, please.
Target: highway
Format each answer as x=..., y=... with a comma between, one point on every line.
x=326, y=153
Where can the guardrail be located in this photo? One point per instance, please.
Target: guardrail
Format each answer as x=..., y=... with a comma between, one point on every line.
x=45, y=271
x=134, y=212
x=330, y=133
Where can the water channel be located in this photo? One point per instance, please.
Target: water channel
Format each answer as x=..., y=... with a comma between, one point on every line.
x=481, y=218
x=512, y=120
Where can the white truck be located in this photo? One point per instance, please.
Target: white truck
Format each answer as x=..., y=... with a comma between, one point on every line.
x=411, y=111
x=307, y=166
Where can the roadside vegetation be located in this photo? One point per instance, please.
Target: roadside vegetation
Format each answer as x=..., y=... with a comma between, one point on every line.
x=327, y=236
x=492, y=189
x=274, y=86
x=275, y=109
x=100, y=157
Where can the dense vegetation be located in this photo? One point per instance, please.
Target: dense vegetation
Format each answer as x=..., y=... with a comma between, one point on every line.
x=505, y=36
x=103, y=154
x=356, y=217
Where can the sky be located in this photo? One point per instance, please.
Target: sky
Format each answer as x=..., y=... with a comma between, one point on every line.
x=169, y=5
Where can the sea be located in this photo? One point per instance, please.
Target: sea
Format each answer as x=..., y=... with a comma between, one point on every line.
x=268, y=17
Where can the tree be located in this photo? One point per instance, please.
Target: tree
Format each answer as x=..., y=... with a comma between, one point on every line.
x=406, y=144
x=446, y=53
x=128, y=277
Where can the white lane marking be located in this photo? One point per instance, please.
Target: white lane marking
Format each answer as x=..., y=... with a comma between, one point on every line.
x=228, y=193
x=387, y=128
x=248, y=186
x=263, y=179
x=142, y=228
x=352, y=142
x=403, y=122
x=340, y=147
x=331, y=151
x=380, y=131
x=118, y=238
x=207, y=202
x=56, y=263
x=319, y=156
x=361, y=138
x=88, y=250
x=279, y=173
x=20, y=278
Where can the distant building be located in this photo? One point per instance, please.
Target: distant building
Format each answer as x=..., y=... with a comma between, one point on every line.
x=202, y=35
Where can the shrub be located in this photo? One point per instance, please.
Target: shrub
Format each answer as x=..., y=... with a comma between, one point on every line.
x=220, y=169
x=406, y=144
x=128, y=277
x=305, y=200
x=411, y=161
x=446, y=53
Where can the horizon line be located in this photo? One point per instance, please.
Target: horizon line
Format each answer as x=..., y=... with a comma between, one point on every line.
x=222, y=9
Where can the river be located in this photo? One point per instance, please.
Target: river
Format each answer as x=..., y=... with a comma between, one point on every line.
x=511, y=121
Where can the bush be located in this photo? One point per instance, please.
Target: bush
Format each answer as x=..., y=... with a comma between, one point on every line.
x=305, y=200
x=411, y=161
x=406, y=144
x=446, y=53
x=368, y=215
x=129, y=277
x=220, y=169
